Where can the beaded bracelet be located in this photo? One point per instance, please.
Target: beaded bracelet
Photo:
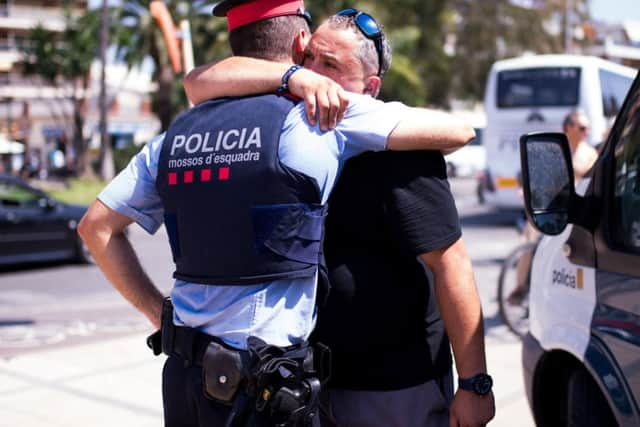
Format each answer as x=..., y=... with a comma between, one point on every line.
x=285, y=78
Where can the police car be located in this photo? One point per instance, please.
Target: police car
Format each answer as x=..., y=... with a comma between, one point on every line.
x=581, y=357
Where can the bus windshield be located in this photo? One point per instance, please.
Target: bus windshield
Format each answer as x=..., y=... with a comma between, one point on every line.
x=539, y=87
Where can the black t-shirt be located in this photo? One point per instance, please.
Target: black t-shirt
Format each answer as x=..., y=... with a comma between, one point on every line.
x=381, y=319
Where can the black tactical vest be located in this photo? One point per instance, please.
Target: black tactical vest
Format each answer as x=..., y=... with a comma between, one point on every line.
x=234, y=214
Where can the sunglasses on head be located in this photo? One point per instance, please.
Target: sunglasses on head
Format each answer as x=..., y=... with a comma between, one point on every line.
x=369, y=27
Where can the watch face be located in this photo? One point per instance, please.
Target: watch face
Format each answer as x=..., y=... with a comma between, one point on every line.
x=482, y=384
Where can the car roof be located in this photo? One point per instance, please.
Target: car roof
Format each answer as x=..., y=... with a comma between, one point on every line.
x=7, y=177
x=15, y=180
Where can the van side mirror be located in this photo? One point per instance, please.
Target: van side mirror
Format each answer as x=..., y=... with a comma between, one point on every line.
x=547, y=180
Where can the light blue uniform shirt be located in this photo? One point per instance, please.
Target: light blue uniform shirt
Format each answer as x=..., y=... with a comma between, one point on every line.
x=281, y=312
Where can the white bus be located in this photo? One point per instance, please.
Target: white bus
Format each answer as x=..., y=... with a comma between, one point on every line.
x=535, y=93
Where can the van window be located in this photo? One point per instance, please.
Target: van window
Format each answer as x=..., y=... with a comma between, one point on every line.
x=626, y=228
x=614, y=89
x=539, y=87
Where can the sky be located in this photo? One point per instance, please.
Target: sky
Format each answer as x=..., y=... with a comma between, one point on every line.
x=615, y=10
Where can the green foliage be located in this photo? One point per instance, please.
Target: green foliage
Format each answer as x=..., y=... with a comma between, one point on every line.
x=422, y=73
x=122, y=156
x=79, y=191
x=65, y=58
x=403, y=83
x=138, y=36
x=490, y=30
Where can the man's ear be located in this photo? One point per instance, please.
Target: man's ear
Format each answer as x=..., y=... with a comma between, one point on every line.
x=372, y=86
x=299, y=45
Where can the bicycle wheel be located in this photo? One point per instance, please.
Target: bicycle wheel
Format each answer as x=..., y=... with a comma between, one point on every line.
x=513, y=289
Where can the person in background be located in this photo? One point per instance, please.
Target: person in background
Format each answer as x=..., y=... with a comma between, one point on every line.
x=583, y=155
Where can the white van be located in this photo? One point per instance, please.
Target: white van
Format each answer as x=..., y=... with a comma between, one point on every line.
x=472, y=158
x=581, y=357
x=535, y=93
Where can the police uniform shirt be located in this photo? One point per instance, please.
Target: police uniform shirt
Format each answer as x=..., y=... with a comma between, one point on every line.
x=281, y=312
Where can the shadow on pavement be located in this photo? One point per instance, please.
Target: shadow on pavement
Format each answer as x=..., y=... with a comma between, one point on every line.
x=16, y=322
x=491, y=219
x=42, y=265
x=492, y=322
x=488, y=262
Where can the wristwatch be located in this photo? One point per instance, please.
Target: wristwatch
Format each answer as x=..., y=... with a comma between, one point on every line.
x=479, y=384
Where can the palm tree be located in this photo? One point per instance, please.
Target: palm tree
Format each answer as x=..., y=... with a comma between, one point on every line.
x=65, y=61
x=139, y=37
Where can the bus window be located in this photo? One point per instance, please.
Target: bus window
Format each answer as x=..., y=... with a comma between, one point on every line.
x=539, y=87
x=614, y=89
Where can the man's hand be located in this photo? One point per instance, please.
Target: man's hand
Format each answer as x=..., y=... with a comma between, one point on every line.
x=471, y=410
x=322, y=97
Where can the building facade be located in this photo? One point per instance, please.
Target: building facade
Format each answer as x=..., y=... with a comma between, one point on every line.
x=40, y=116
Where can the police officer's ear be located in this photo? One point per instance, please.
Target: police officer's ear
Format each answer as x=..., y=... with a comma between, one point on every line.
x=372, y=86
x=299, y=45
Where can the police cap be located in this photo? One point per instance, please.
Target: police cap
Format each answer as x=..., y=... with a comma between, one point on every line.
x=244, y=12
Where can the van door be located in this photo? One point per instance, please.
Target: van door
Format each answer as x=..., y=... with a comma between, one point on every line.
x=616, y=319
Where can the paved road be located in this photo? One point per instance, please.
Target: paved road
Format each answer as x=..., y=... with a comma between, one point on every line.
x=54, y=306
x=51, y=305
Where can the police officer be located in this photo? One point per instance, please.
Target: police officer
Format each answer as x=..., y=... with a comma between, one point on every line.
x=241, y=186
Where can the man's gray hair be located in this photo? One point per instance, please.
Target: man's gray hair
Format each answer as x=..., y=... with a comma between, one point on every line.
x=366, y=53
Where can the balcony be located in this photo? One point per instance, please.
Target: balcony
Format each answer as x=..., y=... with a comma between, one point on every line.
x=8, y=58
x=22, y=18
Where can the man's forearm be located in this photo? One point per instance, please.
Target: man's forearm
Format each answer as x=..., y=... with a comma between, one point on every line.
x=102, y=231
x=459, y=307
x=425, y=129
x=233, y=76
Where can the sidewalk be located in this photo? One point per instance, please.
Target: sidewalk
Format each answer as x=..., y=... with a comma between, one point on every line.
x=108, y=383
x=117, y=383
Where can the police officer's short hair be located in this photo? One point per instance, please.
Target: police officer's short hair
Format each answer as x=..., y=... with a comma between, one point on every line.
x=269, y=38
x=366, y=52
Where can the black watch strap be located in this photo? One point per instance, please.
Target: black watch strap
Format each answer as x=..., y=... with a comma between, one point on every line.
x=480, y=384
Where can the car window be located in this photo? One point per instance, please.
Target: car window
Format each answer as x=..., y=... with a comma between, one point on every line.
x=12, y=195
x=626, y=225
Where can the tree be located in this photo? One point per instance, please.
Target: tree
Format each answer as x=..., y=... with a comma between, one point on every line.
x=64, y=61
x=139, y=37
x=491, y=30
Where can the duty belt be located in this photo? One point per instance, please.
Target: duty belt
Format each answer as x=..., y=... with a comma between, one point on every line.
x=265, y=382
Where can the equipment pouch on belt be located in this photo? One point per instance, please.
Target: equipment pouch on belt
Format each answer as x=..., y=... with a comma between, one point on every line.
x=167, y=331
x=222, y=373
